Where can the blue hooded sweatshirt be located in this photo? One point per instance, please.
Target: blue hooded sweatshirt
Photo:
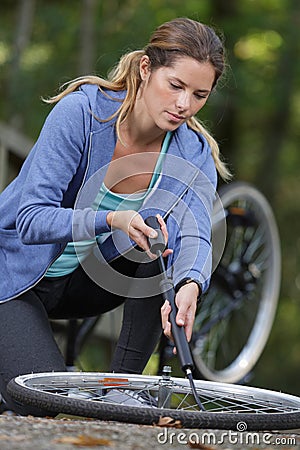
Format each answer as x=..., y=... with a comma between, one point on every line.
x=48, y=203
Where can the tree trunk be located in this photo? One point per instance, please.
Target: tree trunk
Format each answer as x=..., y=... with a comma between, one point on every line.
x=23, y=33
x=87, y=39
x=227, y=105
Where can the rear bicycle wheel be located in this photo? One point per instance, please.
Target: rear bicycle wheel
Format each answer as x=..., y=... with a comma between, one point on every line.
x=234, y=321
x=227, y=406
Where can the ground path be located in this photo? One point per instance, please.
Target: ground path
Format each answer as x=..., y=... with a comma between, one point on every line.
x=31, y=433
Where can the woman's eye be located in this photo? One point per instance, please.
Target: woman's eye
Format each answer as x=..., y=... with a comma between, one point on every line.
x=200, y=97
x=175, y=86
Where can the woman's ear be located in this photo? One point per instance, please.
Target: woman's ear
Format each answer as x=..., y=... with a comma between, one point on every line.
x=145, y=67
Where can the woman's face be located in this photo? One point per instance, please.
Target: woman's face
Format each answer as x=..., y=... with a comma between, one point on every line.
x=171, y=95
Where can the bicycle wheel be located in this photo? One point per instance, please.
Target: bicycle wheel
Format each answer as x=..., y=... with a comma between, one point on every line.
x=236, y=316
x=226, y=406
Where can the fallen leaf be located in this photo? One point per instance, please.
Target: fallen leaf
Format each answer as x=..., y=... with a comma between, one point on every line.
x=168, y=422
x=200, y=446
x=82, y=440
x=20, y=437
x=3, y=437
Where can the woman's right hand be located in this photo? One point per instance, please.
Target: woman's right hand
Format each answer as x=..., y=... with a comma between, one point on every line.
x=132, y=223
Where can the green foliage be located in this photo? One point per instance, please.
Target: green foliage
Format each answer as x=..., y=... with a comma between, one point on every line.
x=279, y=366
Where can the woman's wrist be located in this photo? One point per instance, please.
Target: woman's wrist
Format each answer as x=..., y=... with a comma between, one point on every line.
x=186, y=281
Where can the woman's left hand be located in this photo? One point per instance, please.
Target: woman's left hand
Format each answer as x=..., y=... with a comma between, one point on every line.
x=186, y=301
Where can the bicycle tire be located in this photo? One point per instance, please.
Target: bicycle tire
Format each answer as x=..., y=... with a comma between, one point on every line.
x=228, y=406
x=230, y=348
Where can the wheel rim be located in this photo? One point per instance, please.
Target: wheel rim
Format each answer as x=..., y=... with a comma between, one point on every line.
x=251, y=270
x=216, y=397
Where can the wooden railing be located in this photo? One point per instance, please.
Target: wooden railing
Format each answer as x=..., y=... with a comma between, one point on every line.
x=11, y=141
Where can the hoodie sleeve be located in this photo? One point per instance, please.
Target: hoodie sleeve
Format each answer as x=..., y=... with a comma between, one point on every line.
x=192, y=226
x=55, y=160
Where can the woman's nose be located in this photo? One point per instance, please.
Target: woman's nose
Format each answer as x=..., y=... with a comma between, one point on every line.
x=183, y=101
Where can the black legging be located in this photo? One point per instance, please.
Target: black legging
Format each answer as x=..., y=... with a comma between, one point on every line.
x=26, y=338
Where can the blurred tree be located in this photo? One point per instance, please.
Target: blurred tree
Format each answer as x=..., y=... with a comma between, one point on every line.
x=226, y=104
x=23, y=32
x=87, y=37
x=276, y=126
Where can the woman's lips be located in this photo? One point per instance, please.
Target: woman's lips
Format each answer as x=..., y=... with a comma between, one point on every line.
x=175, y=117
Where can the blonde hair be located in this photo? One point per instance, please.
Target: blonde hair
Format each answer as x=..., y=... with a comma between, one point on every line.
x=179, y=37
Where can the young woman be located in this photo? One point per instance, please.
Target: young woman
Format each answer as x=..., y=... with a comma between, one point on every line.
x=73, y=240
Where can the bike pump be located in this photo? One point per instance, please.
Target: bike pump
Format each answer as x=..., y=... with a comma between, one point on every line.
x=157, y=246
